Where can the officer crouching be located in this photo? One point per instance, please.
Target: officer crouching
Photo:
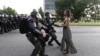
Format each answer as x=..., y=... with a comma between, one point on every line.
x=35, y=36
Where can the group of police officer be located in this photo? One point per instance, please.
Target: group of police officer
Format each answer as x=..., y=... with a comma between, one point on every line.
x=9, y=22
x=39, y=32
x=39, y=29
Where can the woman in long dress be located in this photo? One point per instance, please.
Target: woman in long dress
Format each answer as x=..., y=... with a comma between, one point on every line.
x=67, y=43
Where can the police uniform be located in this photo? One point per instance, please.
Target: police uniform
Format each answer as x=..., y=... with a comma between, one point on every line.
x=35, y=37
x=50, y=30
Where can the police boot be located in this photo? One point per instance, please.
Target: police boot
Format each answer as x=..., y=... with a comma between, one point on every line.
x=49, y=43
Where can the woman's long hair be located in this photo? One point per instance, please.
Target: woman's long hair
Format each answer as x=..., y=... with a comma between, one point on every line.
x=68, y=13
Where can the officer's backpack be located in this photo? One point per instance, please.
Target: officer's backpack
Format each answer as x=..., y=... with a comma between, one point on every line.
x=23, y=28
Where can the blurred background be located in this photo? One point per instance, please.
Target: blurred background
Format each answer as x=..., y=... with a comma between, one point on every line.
x=84, y=12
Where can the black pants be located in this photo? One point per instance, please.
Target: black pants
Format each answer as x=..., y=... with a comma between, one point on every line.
x=54, y=38
x=39, y=48
x=1, y=28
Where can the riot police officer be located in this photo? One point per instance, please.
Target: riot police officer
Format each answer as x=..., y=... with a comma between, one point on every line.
x=35, y=36
x=4, y=21
x=1, y=23
x=48, y=22
x=8, y=23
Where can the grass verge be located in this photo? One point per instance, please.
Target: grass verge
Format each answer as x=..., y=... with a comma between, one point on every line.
x=80, y=24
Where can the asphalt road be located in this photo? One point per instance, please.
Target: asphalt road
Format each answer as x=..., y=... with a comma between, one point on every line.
x=86, y=40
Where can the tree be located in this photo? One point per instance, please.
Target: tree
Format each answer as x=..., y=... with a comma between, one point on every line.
x=77, y=7
x=41, y=12
x=8, y=11
x=93, y=11
x=0, y=11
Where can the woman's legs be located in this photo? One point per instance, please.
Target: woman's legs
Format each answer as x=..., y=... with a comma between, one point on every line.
x=62, y=44
x=67, y=46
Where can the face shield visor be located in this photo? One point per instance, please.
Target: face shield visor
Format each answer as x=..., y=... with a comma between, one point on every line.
x=50, y=15
x=39, y=16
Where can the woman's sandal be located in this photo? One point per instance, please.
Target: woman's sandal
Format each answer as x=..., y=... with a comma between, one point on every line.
x=65, y=51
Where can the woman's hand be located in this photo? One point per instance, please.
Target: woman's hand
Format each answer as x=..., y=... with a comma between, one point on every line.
x=62, y=25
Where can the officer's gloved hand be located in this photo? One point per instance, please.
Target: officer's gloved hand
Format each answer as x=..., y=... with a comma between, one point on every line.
x=44, y=35
x=47, y=37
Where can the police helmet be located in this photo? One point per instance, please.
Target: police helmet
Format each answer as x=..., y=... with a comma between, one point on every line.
x=47, y=14
x=34, y=12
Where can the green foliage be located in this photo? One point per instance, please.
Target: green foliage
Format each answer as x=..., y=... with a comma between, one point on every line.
x=9, y=11
x=77, y=7
x=41, y=12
